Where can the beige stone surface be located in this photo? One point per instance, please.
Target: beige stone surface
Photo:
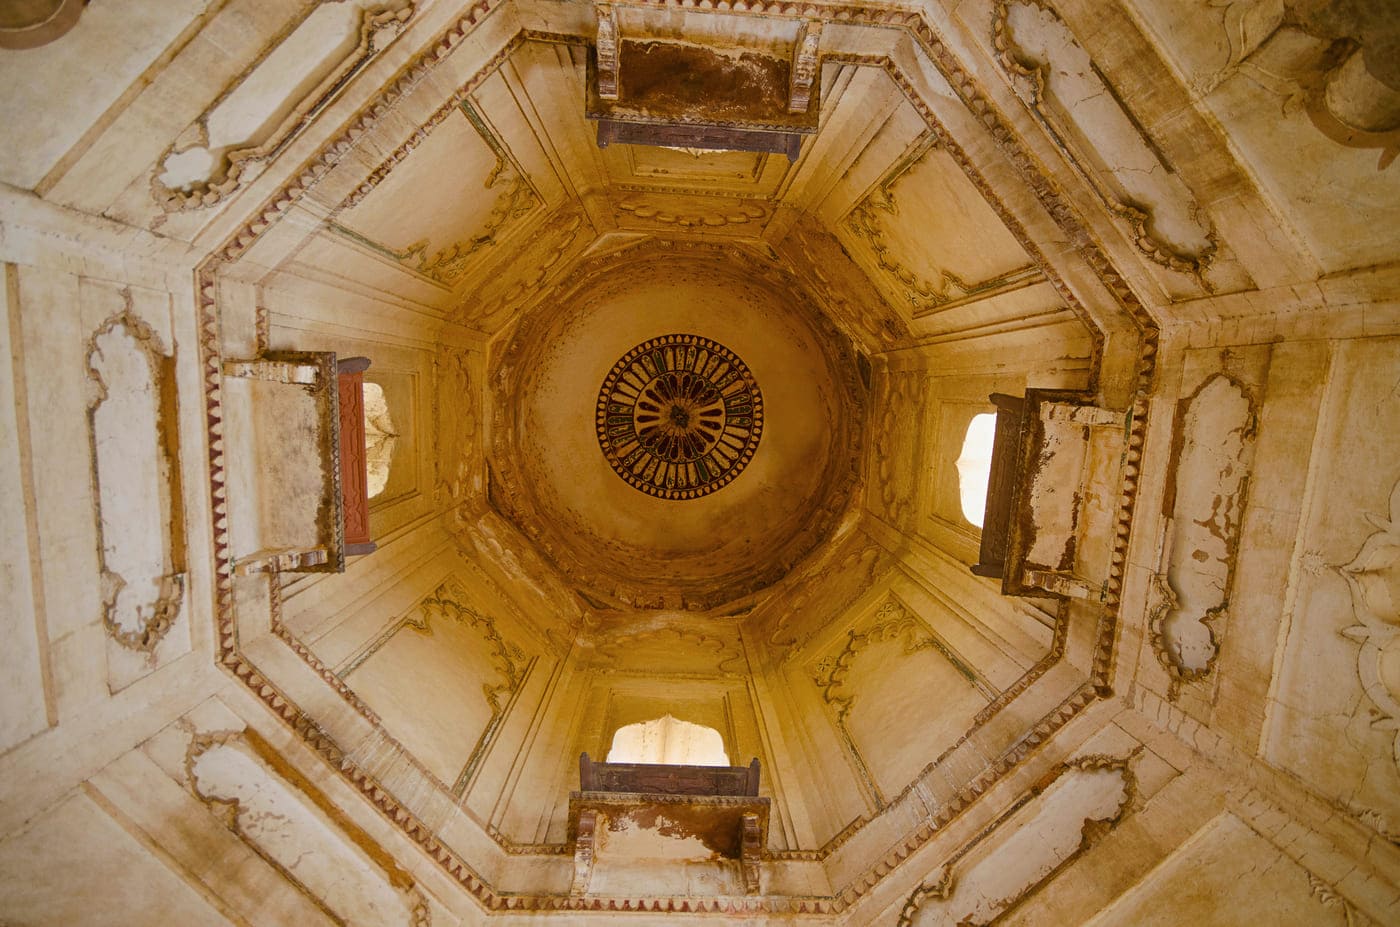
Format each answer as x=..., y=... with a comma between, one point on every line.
x=1182, y=215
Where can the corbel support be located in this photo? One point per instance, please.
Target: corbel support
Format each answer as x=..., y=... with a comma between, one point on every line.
x=607, y=45
x=750, y=852
x=583, y=851
x=1081, y=415
x=275, y=371
x=1058, y=583
x=806, y=66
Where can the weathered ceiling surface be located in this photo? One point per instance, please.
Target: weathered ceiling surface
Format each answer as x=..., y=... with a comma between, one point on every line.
x=1186, y=222
x=634, y=549
x=910, y=217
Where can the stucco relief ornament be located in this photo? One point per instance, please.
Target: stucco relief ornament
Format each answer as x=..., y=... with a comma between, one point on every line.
x=1373, y=576
x=679, y=416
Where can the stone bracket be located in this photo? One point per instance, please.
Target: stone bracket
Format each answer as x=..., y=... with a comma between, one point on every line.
x=283, y=561
x=1072, y=414
x=275, y=371
x=806, y=66
x=751, y=851
x=583, y=851
x=607, y=51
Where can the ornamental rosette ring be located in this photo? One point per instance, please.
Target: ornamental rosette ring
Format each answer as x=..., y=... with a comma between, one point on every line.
x=679, y=416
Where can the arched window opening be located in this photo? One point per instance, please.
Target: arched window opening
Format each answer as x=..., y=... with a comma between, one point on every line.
x=975, y=466
x=379, y=438
x=667, y=740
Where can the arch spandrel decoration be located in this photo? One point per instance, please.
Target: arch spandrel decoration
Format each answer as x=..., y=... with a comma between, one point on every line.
x=679, y=416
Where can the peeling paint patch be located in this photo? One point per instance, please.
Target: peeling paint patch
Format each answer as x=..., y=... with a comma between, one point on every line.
x=1205, y=501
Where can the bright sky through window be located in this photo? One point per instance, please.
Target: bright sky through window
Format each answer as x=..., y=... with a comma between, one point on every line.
x=975, y=465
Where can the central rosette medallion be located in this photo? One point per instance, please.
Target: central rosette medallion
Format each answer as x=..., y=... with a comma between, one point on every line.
x=679, y=416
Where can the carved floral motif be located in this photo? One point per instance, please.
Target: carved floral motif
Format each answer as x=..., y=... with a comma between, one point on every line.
x=1373, y=577
x=679, y=417
x=1328, y=60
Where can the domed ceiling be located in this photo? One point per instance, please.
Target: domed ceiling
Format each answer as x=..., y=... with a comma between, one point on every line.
x=676, y=427
x=640, y=381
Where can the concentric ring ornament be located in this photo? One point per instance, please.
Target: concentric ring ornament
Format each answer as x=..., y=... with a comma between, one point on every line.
x=679, y=416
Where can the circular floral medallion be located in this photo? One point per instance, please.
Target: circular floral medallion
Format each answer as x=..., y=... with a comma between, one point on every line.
x=679, y=416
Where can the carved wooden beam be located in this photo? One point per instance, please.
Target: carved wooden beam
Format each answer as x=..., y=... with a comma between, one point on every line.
x=806, y=66
x=607, y=46
x=711, y=138
x=668, y=778
x=996, y=519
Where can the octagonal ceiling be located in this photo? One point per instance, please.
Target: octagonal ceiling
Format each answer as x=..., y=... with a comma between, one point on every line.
x=909, y=221
x=432, y=188
x=489, y=201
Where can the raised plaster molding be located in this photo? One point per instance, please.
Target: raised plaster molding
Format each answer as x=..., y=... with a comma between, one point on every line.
x=806, y=594
x=901, y=404
x=515, y=200
x=923, y=295
x=230, y=166
x=536, y=266
x=142, y=575
x=288, y=827
x=1207, y=493
x=874, y=322
x=1328, y=896
x=1041, y=187
x=975, y=893
x=1094, y=128
x=893, y=621
x=456, y=435
x=509, y=661
x=1373, y=577
x=740, y=214
x=709, y=654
